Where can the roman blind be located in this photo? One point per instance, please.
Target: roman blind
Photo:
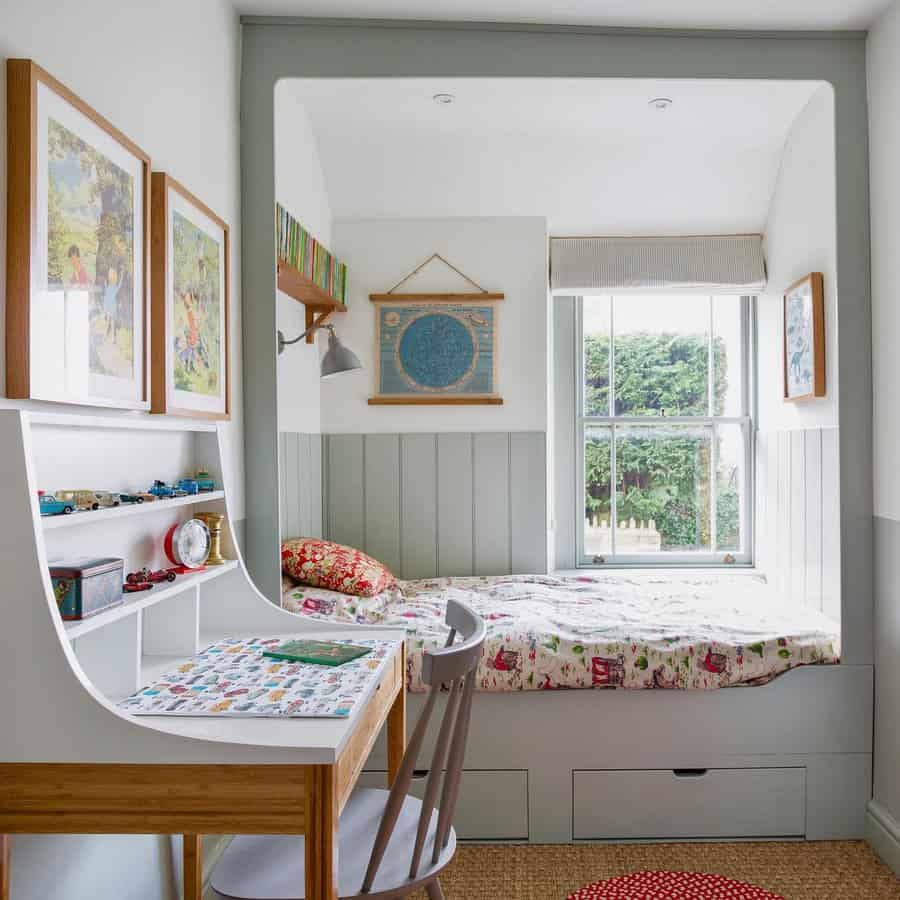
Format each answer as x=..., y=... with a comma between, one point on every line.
x=718, y=264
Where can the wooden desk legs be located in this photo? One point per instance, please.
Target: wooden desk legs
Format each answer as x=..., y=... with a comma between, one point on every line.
x=322, y=833
x=192, y=856
x=4, y=867
x=396, y=727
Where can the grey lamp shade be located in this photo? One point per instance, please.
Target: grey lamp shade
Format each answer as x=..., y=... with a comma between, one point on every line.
x=338, y=358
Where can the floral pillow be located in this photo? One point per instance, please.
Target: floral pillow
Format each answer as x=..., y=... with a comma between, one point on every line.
x=334, y=566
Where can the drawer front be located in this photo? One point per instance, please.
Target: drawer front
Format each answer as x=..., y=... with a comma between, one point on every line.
x=710, y=803
x=492, y=805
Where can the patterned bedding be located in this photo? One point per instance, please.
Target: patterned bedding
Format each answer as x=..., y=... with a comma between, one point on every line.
x=599, y=631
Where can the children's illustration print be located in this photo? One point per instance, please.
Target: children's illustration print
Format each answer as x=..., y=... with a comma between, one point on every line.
x=233, y=678
x=196, y=312
x=90, y=244
x=799, y=341
x=597, y=631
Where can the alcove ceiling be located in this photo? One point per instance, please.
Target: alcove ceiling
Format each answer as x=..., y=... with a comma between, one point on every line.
x=590, y=155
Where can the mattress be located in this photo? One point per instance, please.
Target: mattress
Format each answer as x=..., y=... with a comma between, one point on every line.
x=605, y=631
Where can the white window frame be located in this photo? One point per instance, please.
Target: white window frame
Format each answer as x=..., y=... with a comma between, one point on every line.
x=746, y=421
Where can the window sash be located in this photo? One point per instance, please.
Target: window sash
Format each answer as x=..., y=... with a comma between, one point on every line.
x=745, y=420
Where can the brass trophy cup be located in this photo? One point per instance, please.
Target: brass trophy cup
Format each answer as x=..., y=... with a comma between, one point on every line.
x=213, y=522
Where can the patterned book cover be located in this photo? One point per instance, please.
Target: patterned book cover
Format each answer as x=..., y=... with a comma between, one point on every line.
x=233, y=678
x=318, y=653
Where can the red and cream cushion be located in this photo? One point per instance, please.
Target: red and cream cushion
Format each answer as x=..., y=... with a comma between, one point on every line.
x=334, y=566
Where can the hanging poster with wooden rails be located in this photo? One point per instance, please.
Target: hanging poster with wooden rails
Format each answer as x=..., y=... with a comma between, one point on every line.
x=436, y=348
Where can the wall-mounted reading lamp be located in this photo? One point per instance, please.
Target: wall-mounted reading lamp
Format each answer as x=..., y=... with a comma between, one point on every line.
x=337, y=358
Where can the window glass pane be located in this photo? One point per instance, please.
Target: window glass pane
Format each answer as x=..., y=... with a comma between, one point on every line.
x=729, y=487
x=727, y=365
x=597, y=444
x=662, y=488
x=661, y=355
x=595, y=325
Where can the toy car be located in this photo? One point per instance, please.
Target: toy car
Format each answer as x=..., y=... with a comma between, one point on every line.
x=107, y=498
x=188, y=485
x=147, y=576
x=161, y=489
x=204, y=481
x=81, y=499
x=135, y=498
x=50, y=506
x=129, y=588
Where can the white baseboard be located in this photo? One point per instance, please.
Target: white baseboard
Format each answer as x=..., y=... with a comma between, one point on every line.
x=883, y=834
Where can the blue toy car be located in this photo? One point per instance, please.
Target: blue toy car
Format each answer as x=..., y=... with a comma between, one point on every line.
x=161, y=489
x=205, y=481
x=188, y=485
x=50, y=506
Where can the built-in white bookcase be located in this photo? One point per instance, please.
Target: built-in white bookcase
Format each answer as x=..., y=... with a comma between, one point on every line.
x=122, y=647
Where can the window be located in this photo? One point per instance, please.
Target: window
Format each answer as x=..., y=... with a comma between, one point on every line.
x=665, y=432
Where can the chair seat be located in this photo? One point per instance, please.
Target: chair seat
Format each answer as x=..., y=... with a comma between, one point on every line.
x=273, y=867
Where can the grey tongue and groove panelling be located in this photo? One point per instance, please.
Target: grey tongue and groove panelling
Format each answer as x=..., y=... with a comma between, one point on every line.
x=433, y=504
x=300, y=484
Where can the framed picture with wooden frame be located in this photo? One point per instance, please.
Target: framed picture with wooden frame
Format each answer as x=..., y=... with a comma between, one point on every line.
x=77, y=250
x=804, y=339
x=191, y=367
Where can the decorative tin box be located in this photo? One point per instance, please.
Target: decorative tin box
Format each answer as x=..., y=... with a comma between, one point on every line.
x=86, y=586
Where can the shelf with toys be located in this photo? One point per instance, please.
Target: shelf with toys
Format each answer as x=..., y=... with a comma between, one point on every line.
x=107, y=514
x=145, y=599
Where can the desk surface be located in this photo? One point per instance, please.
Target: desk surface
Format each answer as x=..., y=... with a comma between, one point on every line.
x=314, y=740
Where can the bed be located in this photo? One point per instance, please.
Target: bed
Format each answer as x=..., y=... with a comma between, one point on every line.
x=598, y=630
x=788, y=754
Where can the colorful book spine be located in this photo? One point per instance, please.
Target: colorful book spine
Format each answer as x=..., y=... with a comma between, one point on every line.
x=297, y=247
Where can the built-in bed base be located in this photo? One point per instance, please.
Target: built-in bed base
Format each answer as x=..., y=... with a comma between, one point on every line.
x=791, y=759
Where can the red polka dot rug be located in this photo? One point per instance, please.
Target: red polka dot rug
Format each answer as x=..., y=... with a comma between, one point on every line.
x=671, y=886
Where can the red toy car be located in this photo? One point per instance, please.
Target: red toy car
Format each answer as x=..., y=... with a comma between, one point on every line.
x=133, y=587
x=146, y=576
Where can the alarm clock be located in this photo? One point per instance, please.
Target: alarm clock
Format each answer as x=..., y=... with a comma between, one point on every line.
x=187, y=544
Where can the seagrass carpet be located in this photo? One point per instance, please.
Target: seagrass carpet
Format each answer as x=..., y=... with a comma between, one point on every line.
x=821, y=870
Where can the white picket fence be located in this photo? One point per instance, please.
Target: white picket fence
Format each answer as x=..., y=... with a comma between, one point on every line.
x=631, y=536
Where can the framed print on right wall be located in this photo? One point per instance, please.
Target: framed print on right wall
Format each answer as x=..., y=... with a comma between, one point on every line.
x=804, y=339
x=191, y=372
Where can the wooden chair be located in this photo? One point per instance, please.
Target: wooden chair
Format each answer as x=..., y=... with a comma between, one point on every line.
x=390, y=844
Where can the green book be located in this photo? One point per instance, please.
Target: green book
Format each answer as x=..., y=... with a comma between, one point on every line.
x=320, y=653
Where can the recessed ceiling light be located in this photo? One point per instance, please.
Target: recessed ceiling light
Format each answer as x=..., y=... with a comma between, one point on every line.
x=444, y=99
x=661, y=102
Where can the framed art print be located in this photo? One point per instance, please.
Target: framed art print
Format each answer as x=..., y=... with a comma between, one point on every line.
x=804, y=339
x=435, y=350
x=191, y=369
x=77, y=249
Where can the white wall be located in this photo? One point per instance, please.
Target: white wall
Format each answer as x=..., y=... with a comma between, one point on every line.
x=883, y=55
x=300, y=188
x=800, y=238
x=501, y=254
x=168, y=77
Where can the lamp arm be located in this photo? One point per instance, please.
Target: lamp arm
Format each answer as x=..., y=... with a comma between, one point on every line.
x=284, y=342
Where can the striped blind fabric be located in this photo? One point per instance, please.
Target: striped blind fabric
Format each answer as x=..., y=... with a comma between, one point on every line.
x=718, y=264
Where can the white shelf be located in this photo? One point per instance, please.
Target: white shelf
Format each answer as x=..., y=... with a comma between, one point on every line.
x=94, y=516
x=133, y=421
x=143, y=599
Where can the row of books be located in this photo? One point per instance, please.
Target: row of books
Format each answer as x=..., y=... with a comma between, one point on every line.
x=298, y=248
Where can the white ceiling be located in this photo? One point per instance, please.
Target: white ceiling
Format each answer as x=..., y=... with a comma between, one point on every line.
x=740, y=14
x=589, y=154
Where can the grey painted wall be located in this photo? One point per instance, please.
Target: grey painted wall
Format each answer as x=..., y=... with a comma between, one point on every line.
x=439, y=504
x=887, y=669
